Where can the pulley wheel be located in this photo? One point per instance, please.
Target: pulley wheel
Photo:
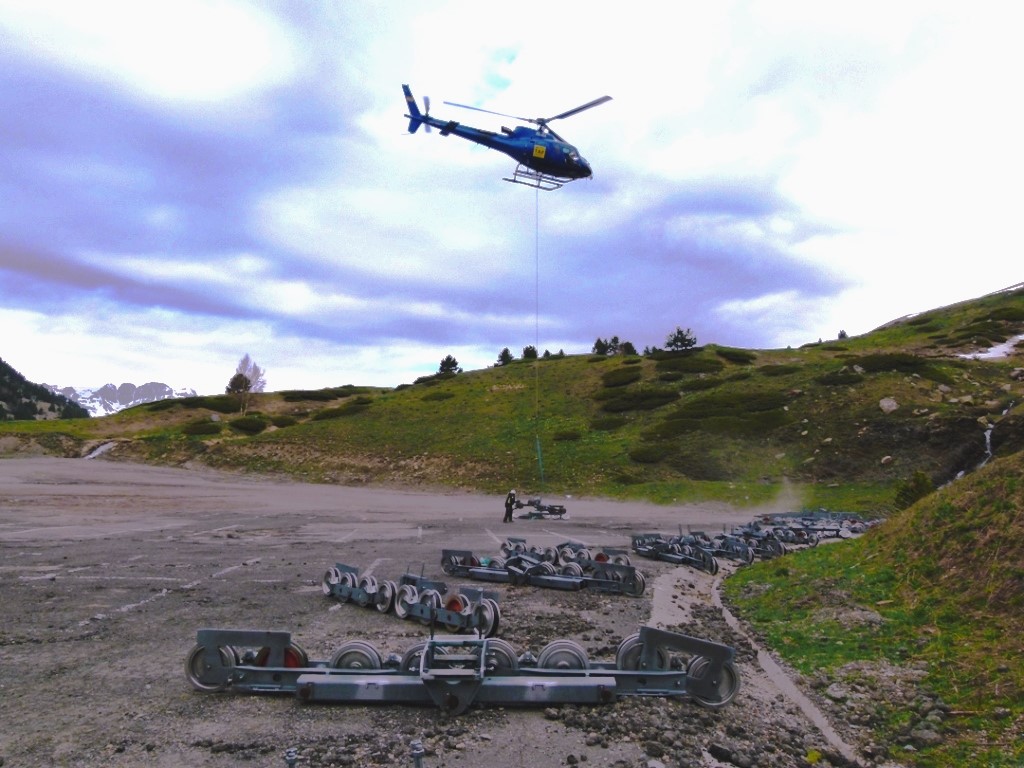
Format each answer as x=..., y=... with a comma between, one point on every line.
x=497, y=564
x=405, y=598
x=726, y=688
x=411, y=658
x=572, y=569
x=386, y=591
x=356, y=654
x=196, y=667
x=345, y=579
x=455, y=604
x=501, y=657
x=582, y=554
x=331, y=577
x=449, y=564
x=708, y=561
x=631, y=650
x=563, y=654
x=601, y=557
x=294, y=657
x=367, y=589
x=551, y=555
x=486, y=617
x=432, y=599
x=635, y=586
x=621, y=560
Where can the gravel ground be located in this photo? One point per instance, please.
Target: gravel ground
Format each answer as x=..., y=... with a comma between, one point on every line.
x=108, y=569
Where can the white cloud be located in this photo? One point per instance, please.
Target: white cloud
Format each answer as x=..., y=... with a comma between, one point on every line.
x=185, y=51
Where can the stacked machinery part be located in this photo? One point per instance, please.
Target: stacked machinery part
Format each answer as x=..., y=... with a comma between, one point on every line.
x=416, y=597
x=681, y=550
x=453, y=672
x=534, y=570
x=541, y=511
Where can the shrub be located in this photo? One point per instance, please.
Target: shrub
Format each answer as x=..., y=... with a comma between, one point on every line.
x=1008, y=314
x=740, y=425
x=696, y=385
x=197, y=428
x=903, y=362
x=608, y=423
x=251, y=425
x=839, y=378
x=729, y=404
x=283, y=421
x=739, y=376
x=620, y=377
x=778, y=370
x=649, y=454
x=350, y=408
x=690, y=364
x=910, y=491
x=697, y=464
x=219, y=403
x=640, y=400
x=439, y=395
x=738, y=356
x=729, y=413
x=161, y=405
x=670, y=376
x=566, y=435
x=298, y=395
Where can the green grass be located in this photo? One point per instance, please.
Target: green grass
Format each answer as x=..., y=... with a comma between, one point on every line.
x=947, y=580
x=713, y=424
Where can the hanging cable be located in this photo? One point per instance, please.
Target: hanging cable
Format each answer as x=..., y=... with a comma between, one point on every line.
x=536, y=333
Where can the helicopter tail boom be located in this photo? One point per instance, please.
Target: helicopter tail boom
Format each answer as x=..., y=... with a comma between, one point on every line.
x=415, y=116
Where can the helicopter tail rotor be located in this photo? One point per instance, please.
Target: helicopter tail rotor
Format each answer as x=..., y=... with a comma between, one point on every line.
x=416, y=118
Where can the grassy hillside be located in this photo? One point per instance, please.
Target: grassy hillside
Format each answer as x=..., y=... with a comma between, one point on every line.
x=939, y=588
x=912, y=632
x=712, y=423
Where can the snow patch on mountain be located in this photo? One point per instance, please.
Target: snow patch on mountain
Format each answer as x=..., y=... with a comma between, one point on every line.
x=109, y=398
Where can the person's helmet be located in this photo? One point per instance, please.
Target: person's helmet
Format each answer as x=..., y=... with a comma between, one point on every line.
x=513, y=491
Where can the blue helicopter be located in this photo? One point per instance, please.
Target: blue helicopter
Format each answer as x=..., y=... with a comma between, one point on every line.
x=546, y=160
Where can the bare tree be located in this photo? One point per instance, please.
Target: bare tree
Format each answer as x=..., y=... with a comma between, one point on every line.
x=248, y=378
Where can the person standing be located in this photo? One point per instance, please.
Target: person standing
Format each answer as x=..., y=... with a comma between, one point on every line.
x=510, y=503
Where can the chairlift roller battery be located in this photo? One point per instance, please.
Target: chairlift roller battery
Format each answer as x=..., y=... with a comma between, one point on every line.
x=417, y=598
x=530, y=569
x=538, y=510
x=454, y=672
x=675, y=549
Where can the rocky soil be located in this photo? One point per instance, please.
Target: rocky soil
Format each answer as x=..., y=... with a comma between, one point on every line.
x=107, y=571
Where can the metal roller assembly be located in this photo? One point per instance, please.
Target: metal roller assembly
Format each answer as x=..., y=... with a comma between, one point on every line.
x=455, y=672
x=524, y=567
x=416, y=597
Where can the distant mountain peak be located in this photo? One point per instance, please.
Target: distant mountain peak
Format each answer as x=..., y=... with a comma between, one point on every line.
x=111, y=398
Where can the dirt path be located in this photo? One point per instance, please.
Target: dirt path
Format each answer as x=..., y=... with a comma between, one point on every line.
x=108, y=570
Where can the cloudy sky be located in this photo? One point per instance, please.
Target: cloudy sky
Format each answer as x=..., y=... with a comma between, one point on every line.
x=185, y=182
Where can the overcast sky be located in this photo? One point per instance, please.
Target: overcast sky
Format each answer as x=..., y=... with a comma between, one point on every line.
x=185, y=182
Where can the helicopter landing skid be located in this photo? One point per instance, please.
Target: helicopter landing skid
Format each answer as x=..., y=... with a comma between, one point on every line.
x=536, y=179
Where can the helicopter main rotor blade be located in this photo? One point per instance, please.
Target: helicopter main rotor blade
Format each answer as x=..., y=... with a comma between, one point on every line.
x=489, y=111
x=577, y=110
